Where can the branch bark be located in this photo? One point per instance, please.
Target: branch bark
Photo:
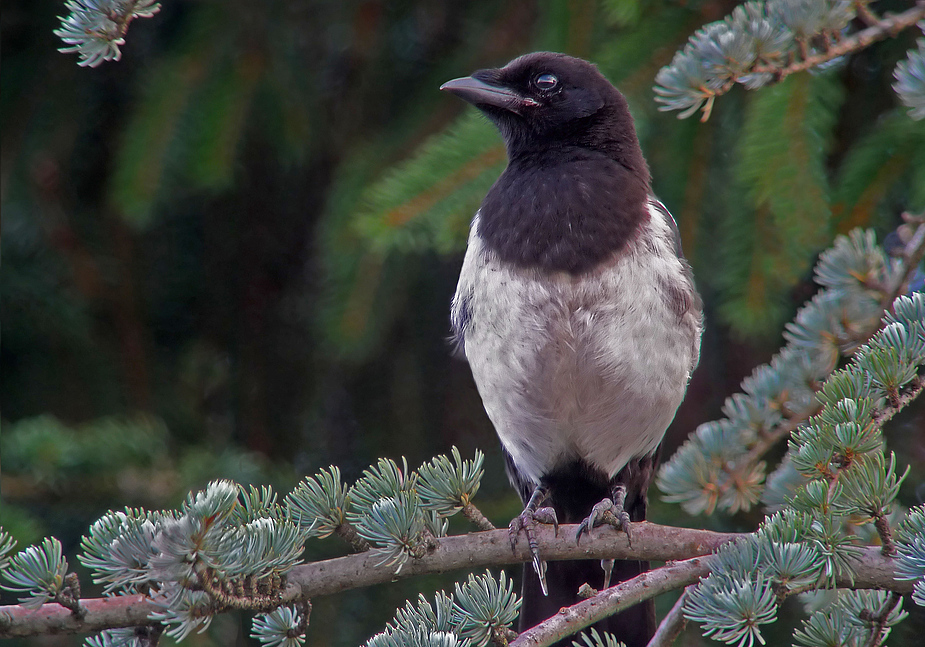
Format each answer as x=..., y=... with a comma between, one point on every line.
x=671, y=625
x=651, y=542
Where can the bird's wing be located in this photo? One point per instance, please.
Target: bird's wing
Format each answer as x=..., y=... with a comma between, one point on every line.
x=697, y=305
x=669, y=219
x=460, y=311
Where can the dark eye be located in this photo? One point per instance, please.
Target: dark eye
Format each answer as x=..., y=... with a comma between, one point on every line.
x=546, y=81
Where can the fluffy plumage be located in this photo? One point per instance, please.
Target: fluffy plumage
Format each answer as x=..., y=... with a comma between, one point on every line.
x=575, y=309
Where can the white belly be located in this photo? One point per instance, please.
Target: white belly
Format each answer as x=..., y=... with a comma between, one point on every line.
x=591, y=367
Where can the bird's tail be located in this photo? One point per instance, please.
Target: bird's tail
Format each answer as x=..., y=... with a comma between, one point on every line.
x=635, y=626
x=572, y=493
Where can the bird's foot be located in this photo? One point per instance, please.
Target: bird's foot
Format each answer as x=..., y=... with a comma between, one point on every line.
x=526, y=522
x=610, y=512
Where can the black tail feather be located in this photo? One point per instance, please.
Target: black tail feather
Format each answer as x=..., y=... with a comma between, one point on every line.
x=574, y=489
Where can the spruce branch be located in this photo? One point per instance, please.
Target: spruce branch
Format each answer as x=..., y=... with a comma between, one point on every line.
x=855, y=618
x=721, y=465
x=7, y=544
x=283, y=627
x=882, y=28
x=40, y=571
x=449, y=487
x=765, y=42
x=651, y=542
x=880, y=621
x=95, y=29
x=910, y=79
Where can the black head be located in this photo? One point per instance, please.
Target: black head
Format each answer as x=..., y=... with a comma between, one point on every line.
x=546, y=102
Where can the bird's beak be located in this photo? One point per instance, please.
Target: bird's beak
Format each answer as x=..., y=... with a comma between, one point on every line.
x=480, y=94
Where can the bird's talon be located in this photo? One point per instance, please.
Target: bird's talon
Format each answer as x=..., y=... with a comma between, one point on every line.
x=606, y=512
x=548, y=516
x=540, y=567
x=526, y=522
x=607, y=565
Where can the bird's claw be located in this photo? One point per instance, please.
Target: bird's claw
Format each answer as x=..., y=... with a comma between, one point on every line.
x=606, y=512
x=526, y=522
x=607, y=565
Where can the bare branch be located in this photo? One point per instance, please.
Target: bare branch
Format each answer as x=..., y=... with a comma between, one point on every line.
x=671, y=625
x=612, y=600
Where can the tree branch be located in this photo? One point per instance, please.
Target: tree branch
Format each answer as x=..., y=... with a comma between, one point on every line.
x=888, y=26
x=610, y=601
x=871, y=567
x=671, y=625
x=651, y=542
x=912, y=256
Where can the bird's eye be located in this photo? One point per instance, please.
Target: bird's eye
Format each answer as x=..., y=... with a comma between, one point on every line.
x=546, y=81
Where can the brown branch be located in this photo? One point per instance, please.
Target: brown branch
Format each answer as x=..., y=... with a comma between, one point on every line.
x=867, y=16
x=888, y=26
x=69, y=595
x=349, y=534
x=612, y=600
x=914, y=391
x=671, y=625
x=878, y=631
x=651, y=542
x=672, y=576
x=475, y=515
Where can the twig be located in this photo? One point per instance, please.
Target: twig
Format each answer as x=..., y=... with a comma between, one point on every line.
x=889, y=26
x=349, y=534
x=867, y=16
x=914, y=391
x=69, y=595
x=671, y=625
x=878, y=630
x=912, y=256
x=475, y=515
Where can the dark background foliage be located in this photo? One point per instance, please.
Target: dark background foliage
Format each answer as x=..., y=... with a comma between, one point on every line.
x=218, y=259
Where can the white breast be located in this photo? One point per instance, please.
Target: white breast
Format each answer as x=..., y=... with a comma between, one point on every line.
x=590, y=367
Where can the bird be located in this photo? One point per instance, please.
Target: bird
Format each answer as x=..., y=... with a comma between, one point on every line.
x=577, y=313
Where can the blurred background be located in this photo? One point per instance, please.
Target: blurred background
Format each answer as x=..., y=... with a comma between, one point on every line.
x=231, y=253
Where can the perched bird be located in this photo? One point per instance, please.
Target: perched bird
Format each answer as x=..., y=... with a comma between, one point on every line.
x=576, y=312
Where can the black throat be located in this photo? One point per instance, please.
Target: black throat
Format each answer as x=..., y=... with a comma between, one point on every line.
x=563, y=210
